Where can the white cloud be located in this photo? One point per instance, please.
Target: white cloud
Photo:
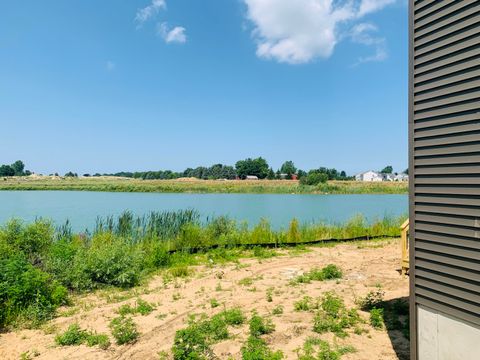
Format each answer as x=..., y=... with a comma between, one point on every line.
x=369, y=6
x=175, y=35
x=149, y=11
x=110, y=65
x=362, y=34
x=299, y=31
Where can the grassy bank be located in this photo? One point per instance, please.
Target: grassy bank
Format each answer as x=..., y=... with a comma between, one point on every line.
x=200, y=186
x=40, y=265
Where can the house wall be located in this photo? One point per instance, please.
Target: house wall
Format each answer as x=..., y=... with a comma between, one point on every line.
x=444, y=167
x=441, y=337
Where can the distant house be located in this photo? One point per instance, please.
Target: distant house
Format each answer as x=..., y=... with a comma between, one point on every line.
x=401, y=177
x=388, y=177
x=251, y=177
x=369, y=176
x=286, y=176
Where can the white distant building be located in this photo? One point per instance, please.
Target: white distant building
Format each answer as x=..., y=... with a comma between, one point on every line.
x=369, y=176
x=251, y=177
x=388, y=177
x=401, y=177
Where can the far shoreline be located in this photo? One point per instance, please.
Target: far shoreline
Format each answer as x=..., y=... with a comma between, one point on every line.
x=197, y=186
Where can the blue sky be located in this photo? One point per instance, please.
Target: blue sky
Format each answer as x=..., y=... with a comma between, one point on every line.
x=116, y=85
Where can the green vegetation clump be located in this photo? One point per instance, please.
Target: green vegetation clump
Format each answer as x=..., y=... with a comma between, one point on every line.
x=376, y=318
x=28, y=294
x=318, y=349
x=333, y=316
x=194, y=341
x=74, y=335
x=124, y=330
x=305, y=304
x=277, y=310
x=329, y=272
x=256, y=349
x=40, y=264
x=374, y=299
x=141, y=307
x=260, y=325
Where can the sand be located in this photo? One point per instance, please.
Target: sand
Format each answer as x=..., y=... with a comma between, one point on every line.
x=365, y=265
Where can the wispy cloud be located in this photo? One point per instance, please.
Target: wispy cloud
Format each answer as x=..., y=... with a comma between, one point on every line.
x=172, y=35
x=149, y=11
x=300, y=31
x=363, y=34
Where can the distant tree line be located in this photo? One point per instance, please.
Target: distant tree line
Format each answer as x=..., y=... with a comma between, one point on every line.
x=257, y=167
x=15, y=169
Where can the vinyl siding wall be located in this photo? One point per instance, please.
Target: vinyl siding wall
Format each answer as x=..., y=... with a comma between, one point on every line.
x=444, y=131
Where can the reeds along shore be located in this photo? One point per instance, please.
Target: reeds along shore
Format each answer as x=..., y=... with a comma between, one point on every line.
x=40, y=265
x=115, y=184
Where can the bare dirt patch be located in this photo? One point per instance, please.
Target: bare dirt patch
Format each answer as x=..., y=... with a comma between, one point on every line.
x=252, y=284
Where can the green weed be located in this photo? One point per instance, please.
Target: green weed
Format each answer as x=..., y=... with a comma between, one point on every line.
x=124, y=330
x=75, y=336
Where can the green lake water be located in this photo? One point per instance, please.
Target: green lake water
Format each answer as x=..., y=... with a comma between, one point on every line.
x=83, y=207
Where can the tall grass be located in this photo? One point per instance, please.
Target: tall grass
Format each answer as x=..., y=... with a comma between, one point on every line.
x=39, y=263
x=114, y=184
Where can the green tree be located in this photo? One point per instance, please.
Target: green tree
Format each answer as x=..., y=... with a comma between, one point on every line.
x=387, y=169
x=255, y=167
x=314, y=177
x=301, y=174
x=19, y=167
x=271, y=174
x=7, y=170
x=288, y=167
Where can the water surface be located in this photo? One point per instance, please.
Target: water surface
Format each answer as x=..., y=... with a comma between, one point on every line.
x=83, y=207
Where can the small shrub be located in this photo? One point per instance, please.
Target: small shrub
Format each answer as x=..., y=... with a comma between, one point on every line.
x=124, y=330
x=214, y=303
x=190, y=343
x=329, y=272
x=317, y=349
x=27, y=293
x=215, y=328
x=233, y=317
x=248, y=281
x=260, y=326
x=304, y=304
x=257, y=349
x=101, y=340
x=126, y=309
x=373, y=299
x=158, y=256
x=376, y=318
x=277, y=310
x=109, y=261
x=333, y=316
x=74, y=335
x=269, y=294
x=194, y=341
x=141, y=307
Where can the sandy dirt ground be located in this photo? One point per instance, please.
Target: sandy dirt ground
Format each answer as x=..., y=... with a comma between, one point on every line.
x=365, y=265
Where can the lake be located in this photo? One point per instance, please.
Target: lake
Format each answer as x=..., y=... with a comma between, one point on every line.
x=83, y=207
